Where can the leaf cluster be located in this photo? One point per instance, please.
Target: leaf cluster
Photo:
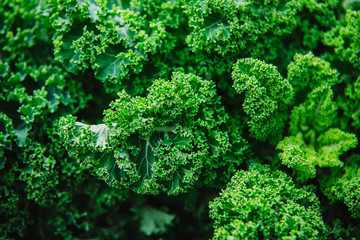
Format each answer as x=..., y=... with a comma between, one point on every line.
x=129, y=119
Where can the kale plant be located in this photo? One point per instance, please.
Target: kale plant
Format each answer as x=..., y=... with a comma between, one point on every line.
x=179, y=119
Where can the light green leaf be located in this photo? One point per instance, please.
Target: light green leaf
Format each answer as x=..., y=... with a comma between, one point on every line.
x=153, y=221
x=21, y=133
x=109, y=65
x=100, y=133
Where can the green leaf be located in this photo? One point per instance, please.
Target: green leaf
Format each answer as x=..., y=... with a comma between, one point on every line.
x=100, y=134
x=332, y=144
x=152, y=220
x=308, y=71
x=146, y=158
x=65, y=52
x=243, y=28
x=110, y=65
x=300, y=157
x=344, y=185
x=349, y=102
x=313, y=143
x=261, y=202
x=344, y=39
x=156, y=144
x=21, y=133
x=316, y=114
x=267, y=95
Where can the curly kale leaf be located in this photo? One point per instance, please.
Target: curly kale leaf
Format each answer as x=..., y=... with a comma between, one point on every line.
x=248, y=27
x=261, y=203
x=267, y=95
x=304, y=158
x=308, y=71
x=7, y=134
x=152, y=220
x=350, y=103
x=313, y=142
x=343, y=184
x=109, y=39
x=344, y=38
x=316, y=114
x=14, y=217
x=170, y=141
x=314, y=19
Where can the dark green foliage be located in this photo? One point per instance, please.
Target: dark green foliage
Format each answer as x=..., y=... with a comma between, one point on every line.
x=262, y=204
x=266, y=98
x=309, y=72
x=344, y=38
x=232, y=26
x=350, y=104
x=124, y=119
x=161, y=143
x=343, y=185
x=313, y=142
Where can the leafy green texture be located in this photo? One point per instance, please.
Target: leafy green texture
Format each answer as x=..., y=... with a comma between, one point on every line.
x=123, y=119
x=315, y=19
x=344, y=39
x=161, y=143
x=344, y=185
x=267, y=95
x=111, y=39
x=153, y=221
x=260, y=203
x=313, y=142
x=308, y=71
x=316, y=114
x=231, y=26
x=350, y=103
